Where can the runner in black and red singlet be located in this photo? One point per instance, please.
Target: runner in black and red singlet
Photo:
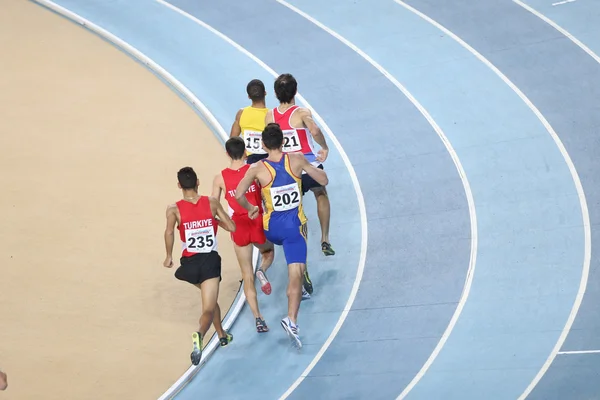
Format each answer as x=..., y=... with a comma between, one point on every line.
x=197, y=218
x=249, y=232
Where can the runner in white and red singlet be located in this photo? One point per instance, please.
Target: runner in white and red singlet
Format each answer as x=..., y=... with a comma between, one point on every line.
x=197, y=219
x=299, y=130
x=249, y=232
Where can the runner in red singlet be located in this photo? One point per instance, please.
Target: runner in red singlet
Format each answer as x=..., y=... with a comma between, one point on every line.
x=248, y=231
x=299, y=130
x=197, y=219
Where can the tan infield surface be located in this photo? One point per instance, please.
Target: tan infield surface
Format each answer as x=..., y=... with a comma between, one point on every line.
x=90, y=143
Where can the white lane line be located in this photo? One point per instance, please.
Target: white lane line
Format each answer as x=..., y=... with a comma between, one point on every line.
x=214, y=124
x=354, y=178
x=461, y=172
x=563, y=2
x=559, y=28
x=580, y=352
x=580, y=193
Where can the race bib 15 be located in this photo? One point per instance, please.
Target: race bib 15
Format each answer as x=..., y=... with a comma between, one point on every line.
x=253, y=142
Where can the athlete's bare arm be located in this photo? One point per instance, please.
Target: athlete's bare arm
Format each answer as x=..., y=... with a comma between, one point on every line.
x=170, y=234
x=306, y=116
x=251, y=176
x=224, y=221
x=236, y=130
x=299, y=163
x=218, y=187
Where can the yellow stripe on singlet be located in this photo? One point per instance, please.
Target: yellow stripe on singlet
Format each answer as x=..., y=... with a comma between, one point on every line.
x=288, y=169
x=252, y=119
x=266, y=195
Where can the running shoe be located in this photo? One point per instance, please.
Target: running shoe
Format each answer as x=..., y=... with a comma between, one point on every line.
x=224, y=341
x=261, y=325
x=292, y=332
x=305, y=294
x=307, y=284
x=265, y=285
x=197, y=349
x=327, y=249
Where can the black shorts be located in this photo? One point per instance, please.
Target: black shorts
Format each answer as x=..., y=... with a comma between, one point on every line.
x=309, y=183
x=252, y=158
x=199, y=267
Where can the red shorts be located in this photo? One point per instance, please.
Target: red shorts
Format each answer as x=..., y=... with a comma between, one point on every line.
x=248, y=231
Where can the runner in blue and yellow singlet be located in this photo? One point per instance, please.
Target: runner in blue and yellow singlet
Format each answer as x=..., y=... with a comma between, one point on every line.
x=283, y=219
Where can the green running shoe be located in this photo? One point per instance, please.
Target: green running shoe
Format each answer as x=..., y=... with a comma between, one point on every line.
x=307, y=283
x=228, y=338
x=327, y=249
x=197, y=350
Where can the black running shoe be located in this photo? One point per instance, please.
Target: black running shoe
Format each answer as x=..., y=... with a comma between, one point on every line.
x=307, y=283
x=327, y=249
x=224, y=341
x=261, y=326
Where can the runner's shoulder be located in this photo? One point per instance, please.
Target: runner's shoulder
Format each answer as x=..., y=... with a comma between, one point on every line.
x=297, y=157
x=172, y=208
x=218, y=179
x=256, y=165
x=303, y=111
x=238, y=115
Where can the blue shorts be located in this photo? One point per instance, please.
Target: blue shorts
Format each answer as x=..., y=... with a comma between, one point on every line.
x=293, y=240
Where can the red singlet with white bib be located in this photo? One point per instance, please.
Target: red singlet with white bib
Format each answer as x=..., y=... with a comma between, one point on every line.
x=247, y=230
x=198, y=227
x=294, y=139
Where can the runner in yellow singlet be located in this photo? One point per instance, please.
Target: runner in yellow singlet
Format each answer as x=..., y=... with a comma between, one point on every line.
x=250, y=122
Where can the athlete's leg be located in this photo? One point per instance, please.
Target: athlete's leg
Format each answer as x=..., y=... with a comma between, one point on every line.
x=210, y=293
x=295, y=251
x=323, y=210
x=211, y=313
x=267, y=251
x=294, y=290
x=307, y=283
x=244, y=256
x=224, y=337
x=217, y=322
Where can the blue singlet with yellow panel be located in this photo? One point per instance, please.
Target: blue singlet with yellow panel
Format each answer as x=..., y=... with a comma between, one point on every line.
x=284, y=220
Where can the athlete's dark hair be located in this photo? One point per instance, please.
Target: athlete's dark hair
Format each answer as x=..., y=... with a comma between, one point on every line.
x=285, y=88
x=187, y=178
x=272, y=136
x=235, y=148
x=256, y=90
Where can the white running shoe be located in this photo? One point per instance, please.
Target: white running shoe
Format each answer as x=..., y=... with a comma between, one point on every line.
x=305, y=294
x=292, y=332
